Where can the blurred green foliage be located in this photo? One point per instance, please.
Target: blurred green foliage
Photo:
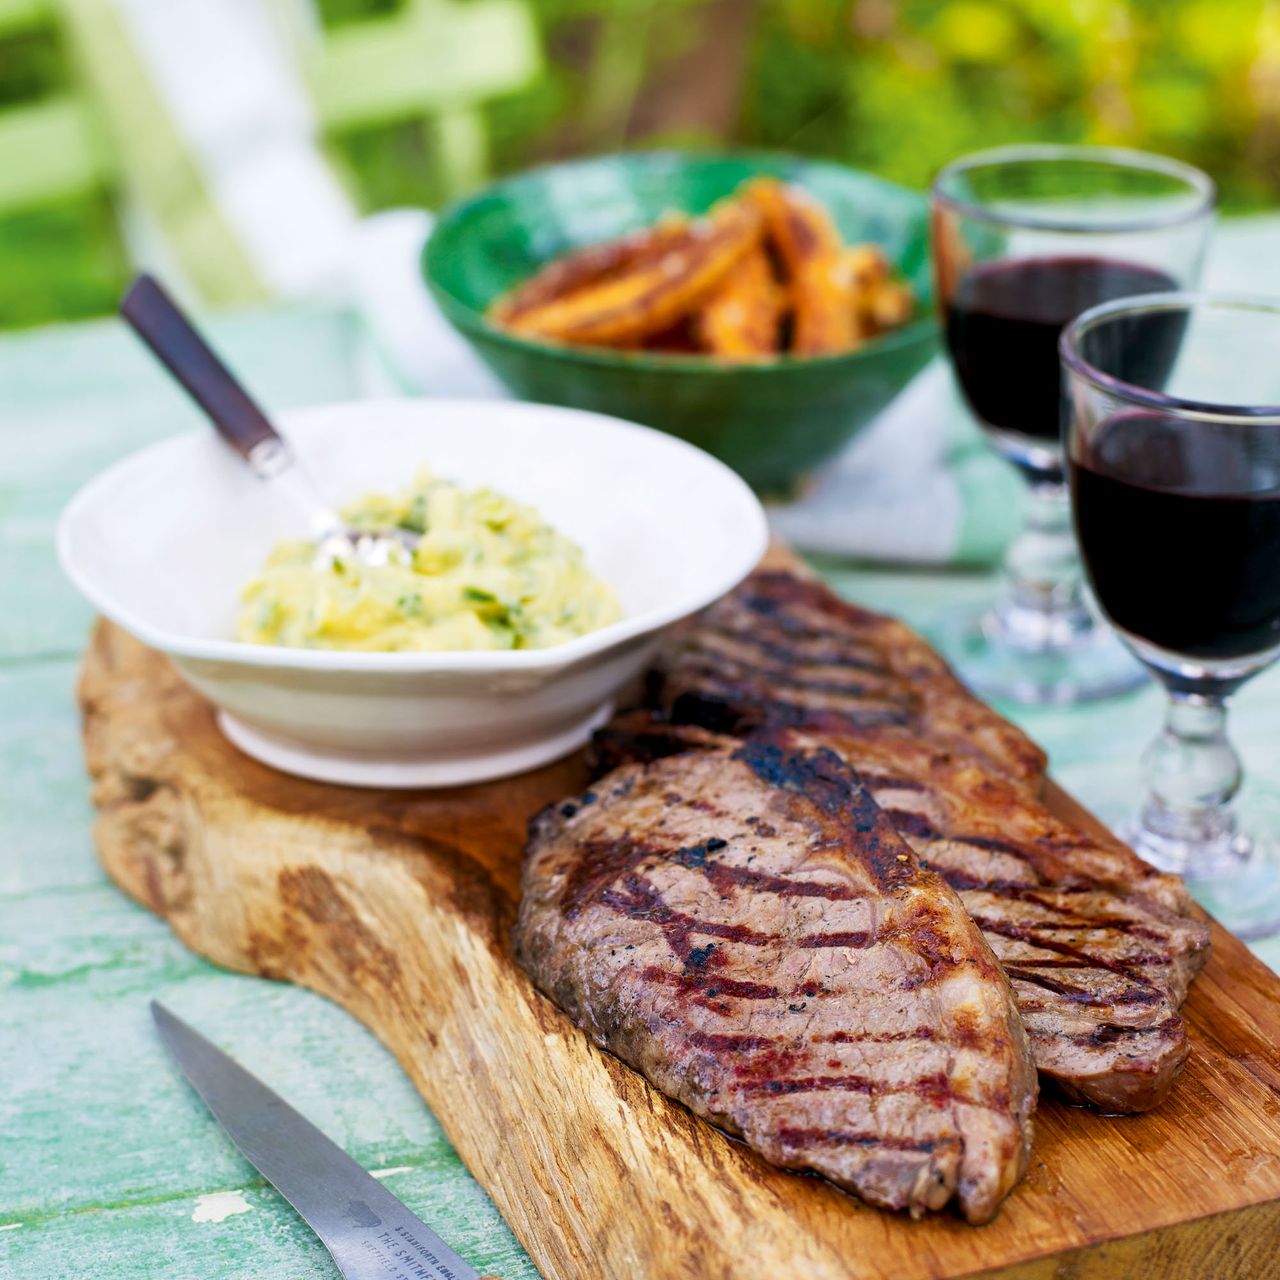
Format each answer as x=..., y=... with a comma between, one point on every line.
x=896, y=86
x=60, y=262
x=31, y=63
x=901, y=86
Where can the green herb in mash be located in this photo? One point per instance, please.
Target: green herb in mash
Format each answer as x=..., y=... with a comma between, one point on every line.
x=487, y=574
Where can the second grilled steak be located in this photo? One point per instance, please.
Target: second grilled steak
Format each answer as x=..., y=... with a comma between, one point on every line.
x=783, y=649
x=742, y=925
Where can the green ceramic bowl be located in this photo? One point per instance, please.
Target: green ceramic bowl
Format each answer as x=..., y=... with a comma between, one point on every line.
x=772, y=422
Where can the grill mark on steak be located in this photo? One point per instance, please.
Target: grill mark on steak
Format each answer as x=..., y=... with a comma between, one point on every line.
x=856, y=939
x=910, y=823
x=710, y=985
x=934, y=1088
x=917, y=825
x=600, y=863
x=723, y=876
x=638, y=899
x=1085, y=924
x=1032, y=934
x=720, y=961
x=604, y=862
x=1135, y=994
x=817, y=654
x=837, y=1137
x=721, y=713
x=901, y=699
x=922, y=1032
x=719, y=1042
x=641, y=901
x=1050, y=900
x=1111, y=1033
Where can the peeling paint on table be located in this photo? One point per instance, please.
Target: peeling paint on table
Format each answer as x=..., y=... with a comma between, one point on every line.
x=218, y=1206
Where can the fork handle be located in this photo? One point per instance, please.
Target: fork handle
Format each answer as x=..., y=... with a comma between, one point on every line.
x=163, y=326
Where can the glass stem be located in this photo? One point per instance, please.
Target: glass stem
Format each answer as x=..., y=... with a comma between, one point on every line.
x=1044, y=606
x=1192, y=773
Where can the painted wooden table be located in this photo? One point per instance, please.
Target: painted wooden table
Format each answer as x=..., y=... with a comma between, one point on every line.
x=108, y=1164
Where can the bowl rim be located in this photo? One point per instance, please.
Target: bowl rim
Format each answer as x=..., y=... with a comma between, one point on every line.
x=755, y=538
x=921, y=326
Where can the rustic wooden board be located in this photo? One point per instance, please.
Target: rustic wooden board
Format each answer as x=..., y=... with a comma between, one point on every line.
x=398, y=906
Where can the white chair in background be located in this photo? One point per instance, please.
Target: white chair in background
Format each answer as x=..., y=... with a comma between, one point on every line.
x=206, y=120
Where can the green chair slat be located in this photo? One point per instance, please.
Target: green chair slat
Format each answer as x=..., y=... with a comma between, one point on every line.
x=49, y=150
x=462, y=149
x=432, y=56
x=435, y=61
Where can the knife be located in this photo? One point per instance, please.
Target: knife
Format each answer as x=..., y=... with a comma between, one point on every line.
x=370, y=1233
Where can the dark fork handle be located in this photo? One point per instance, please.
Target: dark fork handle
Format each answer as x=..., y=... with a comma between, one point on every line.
x=159, y=322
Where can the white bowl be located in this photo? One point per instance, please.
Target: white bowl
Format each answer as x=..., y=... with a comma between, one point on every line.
x=163, y=542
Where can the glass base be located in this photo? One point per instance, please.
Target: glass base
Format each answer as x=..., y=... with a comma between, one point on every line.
x=1057, y=660
x=1233, y=876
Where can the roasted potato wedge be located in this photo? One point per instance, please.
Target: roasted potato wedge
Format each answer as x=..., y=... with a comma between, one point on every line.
x=865, y=266
x=740, y=318
x=880, y=303
x=890, y=305
x=591, y=265
x=802, y=234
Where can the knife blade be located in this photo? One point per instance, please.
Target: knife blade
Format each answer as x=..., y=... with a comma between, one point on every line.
x=369, y=1232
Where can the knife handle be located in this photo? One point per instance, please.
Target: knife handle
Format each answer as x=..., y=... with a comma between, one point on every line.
x=159, y=322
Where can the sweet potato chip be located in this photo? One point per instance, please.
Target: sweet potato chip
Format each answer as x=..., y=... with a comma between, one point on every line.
x=865, y=265
x=879, y=302
x=649, y=296
x=890, y=305
x=591, y=265
x=807, y=244
x=739, y=320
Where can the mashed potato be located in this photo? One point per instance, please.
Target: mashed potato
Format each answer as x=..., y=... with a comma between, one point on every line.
x=487, y=574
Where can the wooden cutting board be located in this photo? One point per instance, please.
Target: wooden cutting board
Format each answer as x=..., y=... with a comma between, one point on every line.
x=398, y=906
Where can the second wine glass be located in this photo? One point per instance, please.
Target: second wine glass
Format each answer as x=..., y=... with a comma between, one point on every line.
x=1176, y=492
x=1024, y=239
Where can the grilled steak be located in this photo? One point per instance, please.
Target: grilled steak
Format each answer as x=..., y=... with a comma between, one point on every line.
x=743, y=925
x=783, y=649
x=1100, y=947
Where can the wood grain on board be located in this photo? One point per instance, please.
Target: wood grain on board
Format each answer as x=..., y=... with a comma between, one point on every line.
x=398, y=906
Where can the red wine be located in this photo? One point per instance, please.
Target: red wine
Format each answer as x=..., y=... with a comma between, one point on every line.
x=1179, y=527
x=1003, y=324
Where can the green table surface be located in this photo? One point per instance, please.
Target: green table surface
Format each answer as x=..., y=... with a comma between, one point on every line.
x=109, y=1165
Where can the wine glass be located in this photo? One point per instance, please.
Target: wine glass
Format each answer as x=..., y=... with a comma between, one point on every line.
x=1173, y=452
x=1024, y=239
